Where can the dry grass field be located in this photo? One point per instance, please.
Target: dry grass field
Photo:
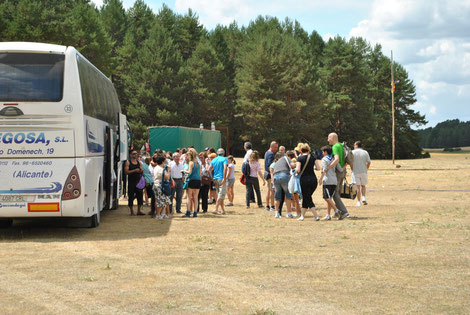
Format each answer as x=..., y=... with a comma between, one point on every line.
x=408, y=251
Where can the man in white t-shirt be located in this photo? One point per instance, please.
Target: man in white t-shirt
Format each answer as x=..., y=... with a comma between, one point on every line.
x=249, y=149
x=176, y=168
x=359, y=174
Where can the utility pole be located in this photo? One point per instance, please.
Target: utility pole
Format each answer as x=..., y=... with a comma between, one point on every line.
x=393, y=110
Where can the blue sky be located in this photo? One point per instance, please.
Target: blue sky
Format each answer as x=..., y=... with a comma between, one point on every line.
x=430, y=38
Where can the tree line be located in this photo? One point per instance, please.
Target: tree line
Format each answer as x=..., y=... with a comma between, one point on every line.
x=448, y=134
x=270, y=80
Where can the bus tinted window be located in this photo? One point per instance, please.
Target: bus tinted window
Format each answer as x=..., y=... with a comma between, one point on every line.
x=31, y=77
x=98, y=93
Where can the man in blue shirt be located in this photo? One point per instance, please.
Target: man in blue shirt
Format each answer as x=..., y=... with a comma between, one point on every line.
x=219, y=165
x=268, y=159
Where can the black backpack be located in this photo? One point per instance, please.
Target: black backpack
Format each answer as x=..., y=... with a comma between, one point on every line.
x=246, y=169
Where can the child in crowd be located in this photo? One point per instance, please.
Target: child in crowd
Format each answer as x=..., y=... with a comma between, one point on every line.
x=329, y=181
x=295, y=192
x=252, y=181
x=231, y=180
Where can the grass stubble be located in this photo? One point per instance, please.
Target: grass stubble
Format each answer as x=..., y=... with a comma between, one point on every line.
x=408, y=251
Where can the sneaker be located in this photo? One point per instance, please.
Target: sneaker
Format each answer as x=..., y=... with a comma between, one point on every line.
x=337, y=213
x=277, y=215
x=343, y=216
x=229, y=204
x=195, y=215
x=289, y=215
x=267, y=208
x=317, y=219
x=272, y=209
x=294, y=215
x=165, y=216
x=364, y=202
x=300, y=219
x=187, y=214
x=326, y=217
x=358, y=204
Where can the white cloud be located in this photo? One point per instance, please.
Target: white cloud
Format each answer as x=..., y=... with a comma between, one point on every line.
x=431, y=38
x=213, y=12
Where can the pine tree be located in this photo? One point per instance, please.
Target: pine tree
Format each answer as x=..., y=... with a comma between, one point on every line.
x=114, y=19
x=156, y=84
x=276, y=98
x=62, y=22
x=207, y=84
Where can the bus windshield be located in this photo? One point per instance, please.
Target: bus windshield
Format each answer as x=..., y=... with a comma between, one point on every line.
x=31, y=77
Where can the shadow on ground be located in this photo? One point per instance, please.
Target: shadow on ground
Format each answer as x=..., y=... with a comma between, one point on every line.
x=115, y=225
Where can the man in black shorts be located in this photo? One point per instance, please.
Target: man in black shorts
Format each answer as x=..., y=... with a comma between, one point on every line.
x=328, y=179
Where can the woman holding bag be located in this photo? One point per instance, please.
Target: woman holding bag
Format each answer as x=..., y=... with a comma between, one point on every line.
x=161, y=173
x=252, y=182
x=134, y=171
x=305, y=165
x=206, y=180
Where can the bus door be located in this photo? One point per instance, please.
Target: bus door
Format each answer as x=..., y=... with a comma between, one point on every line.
x=108, y=168
x=121, y=154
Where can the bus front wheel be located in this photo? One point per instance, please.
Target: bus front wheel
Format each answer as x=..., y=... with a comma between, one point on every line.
x=96, y=218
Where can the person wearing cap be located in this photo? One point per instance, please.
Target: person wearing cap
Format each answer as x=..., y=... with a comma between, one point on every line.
x=219, y=166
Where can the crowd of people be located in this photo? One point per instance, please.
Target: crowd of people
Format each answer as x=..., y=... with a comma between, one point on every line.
x=165, y=179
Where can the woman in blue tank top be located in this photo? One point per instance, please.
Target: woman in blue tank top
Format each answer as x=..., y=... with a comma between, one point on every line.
x=194, y=184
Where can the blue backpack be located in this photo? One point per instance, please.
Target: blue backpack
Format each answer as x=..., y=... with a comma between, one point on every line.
x=166, y=186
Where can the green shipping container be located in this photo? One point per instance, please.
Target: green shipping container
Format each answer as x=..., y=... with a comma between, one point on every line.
x=169, y=138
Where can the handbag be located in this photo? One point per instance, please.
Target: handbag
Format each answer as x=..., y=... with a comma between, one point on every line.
x=348, y=191
x=141, y=183
x=242, y=179
x=206, y=180
x=166, y=186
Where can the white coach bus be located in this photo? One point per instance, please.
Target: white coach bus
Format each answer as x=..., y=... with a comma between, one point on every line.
x=63, y=138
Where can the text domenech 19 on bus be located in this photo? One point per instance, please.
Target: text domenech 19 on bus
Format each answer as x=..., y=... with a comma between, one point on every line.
x=63, y=139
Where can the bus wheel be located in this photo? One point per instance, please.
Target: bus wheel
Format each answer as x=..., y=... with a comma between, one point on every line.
x=96, y=218
x=6, y=223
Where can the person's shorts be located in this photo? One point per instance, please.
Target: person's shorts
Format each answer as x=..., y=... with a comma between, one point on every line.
x=269, y=183
x=194, y=184
x=328, y=191
x=230, y=182
x=359, y=179
x=221, y=189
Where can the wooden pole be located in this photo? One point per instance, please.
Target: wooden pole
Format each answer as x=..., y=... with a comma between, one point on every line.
x=393, y=111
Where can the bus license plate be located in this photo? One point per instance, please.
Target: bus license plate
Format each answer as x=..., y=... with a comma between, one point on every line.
x=12, y=198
